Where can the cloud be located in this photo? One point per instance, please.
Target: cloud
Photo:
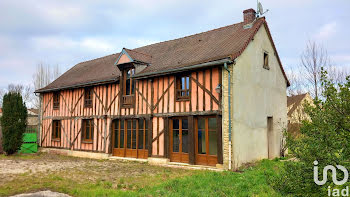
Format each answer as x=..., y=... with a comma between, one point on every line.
x=326, y=31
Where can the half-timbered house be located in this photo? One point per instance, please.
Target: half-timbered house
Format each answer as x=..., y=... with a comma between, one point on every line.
x=216, y=98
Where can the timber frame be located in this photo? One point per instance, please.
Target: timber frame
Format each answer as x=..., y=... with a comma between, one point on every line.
x=154, y=100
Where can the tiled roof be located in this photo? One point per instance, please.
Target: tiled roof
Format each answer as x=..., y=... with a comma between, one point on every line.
x=229, y=41
x=294, y=101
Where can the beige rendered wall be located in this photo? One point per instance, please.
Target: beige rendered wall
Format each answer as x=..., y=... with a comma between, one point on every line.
x=258, y=93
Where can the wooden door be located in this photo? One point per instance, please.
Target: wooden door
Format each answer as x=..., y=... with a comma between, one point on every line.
x=118, y=138
x=206, y=148
x=130, y=138
x=179, y=139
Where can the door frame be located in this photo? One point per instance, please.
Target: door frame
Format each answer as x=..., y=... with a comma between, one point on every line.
x=129, y=152
x=207, y=159
x=179, y=156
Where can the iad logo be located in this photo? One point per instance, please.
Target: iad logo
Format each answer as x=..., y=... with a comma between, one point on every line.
x=335, y=192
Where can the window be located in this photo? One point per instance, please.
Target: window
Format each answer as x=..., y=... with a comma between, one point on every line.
x=266, y=60
x=88, y=130
x=88, y=97
x=56, y=100
x=182, y=88
x=56, y=130
x=129, y=86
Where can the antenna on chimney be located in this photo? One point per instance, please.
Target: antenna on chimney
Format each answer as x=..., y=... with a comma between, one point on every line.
x=260, y=10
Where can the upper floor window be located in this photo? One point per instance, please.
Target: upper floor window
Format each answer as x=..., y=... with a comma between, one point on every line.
x=88, y=130
x=56, y=100
x=266, y=60
x=88, y=97
x=56, y=130
x=183, y=88
x=128, y=88
x=129, y=85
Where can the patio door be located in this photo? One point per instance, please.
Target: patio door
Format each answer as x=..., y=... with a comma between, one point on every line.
x=130, y=138
x=179, y=140
x=206, y=141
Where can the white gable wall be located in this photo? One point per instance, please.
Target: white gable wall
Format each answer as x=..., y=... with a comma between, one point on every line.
x=258, y=93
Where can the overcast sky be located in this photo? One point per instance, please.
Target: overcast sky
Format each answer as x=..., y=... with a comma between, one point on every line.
x=66, y=32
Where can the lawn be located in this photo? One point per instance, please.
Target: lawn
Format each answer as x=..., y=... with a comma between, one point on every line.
x=86, y=177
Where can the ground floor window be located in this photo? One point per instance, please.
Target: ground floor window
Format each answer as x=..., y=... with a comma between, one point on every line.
x=56, y=130
x=130, y=138
x=88, y=130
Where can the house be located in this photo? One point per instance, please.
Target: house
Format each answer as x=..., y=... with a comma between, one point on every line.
x=296, y=111
x=215, y=98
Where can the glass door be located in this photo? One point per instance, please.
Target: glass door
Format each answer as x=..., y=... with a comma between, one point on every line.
x=206, y=141
x=179, y=140
x=130, y=138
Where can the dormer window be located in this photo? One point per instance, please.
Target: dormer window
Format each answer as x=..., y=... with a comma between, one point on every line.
x=128, y=87
x=266, y=61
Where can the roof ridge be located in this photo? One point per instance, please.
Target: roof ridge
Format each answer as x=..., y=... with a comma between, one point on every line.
x=216, y=29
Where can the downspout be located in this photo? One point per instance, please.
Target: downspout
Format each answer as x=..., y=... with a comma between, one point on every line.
x=229, y=118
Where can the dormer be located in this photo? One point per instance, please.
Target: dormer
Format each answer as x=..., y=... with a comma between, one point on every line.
x=130, y=63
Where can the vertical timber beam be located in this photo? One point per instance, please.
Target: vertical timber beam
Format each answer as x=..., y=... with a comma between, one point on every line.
x=219, y=139
x=191, y=141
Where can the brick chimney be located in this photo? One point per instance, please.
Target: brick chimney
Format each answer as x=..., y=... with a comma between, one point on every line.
x=249, y=15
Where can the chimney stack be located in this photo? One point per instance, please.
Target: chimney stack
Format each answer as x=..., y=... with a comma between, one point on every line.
x=249, y=15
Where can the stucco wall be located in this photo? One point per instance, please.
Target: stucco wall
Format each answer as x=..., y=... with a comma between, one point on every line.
x=258, y=93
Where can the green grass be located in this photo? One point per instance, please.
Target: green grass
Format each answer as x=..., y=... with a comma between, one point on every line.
x=104, y=180
x=249, y=182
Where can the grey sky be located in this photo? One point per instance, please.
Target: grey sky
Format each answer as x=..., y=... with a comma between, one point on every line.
x=66, y=32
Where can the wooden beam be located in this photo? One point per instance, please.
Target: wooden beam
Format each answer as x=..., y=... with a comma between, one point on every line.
x=162, y=96
x=191, y=140
x=219, y=138
x=150, y=135
x=206, y=90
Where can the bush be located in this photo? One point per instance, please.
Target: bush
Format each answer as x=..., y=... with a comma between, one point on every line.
x=324, y=138
x=13, y=122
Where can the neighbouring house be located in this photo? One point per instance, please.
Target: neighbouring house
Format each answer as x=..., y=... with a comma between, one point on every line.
x=296, y=111
x=32, y=120
x=215, y=98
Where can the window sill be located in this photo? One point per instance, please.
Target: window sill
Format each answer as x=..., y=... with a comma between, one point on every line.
x=267, y=68
x=183, y=99
x=86, y=142
x=56, y=140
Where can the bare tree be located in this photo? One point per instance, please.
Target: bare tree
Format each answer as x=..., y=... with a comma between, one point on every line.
x=297, y=85
x=26, y=91
x=312, y=60
x=2, y=92
x=43, y=76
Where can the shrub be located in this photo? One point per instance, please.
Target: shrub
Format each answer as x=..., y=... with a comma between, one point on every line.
x=324, y=138
x=13, y=122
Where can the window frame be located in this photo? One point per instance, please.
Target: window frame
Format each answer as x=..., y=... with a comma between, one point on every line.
x=56, y=136
x=125, y=77
x=84, y=131
x=88, y=102
x=178, y=88
x=56, y=100
x=266, y=63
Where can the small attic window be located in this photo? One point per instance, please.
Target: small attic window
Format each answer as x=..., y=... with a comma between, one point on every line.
x=266, y=61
